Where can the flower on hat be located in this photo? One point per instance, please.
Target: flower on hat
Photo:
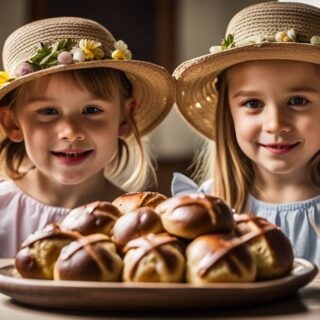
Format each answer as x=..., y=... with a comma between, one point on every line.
x=62, y=52
x=92, y=49
x=5, y=78
x=228, y=42
x=281, y=36
x=315, y=40
x=286, y=36
x=121, y=51
x=46, y=56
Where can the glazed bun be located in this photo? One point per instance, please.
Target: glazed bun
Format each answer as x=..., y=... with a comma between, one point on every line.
x=90, y=258
x=154, y=258
x=135, y=224
x=133, y=200
x=190, y=216
x=271, y=249
x=95, y=217
x=219, y=258
x=40, y=250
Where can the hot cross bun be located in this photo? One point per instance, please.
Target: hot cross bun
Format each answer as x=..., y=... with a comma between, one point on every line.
x=40, y=250
x=135, y=224
x=270, y=247
x=95, y=217
x=190, y=216
x=154, y=258
x=134, y=200
x=219, y=258
x=90, y=258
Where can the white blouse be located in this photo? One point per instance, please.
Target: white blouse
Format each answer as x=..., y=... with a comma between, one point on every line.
x=21, y=215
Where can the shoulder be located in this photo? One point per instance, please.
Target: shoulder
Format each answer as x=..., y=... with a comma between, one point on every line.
x=8, y=189
x=13, y=199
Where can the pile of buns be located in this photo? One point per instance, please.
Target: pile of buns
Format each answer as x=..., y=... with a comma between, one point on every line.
x=146, y=237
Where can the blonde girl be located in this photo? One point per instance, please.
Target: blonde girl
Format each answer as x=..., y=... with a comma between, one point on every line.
x=74, y=110
x=257, y=96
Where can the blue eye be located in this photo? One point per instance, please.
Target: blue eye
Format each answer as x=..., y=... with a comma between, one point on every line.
x=253, y=104
x=298, y=101
x=92, y=110
x=48, y=111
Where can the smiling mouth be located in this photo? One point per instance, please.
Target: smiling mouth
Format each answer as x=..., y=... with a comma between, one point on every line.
x=279, y=148
x=71, y=155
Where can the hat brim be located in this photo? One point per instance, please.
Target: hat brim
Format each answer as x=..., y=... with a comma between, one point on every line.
x=153, y=87
x=196, y=95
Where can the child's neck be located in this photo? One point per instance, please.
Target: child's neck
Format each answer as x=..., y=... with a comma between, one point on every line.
x=98, y=188
x=284, y=188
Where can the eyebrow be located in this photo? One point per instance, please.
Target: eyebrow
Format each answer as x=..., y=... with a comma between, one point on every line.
x=250, y=93
x=48, y=99
x=245, y=93
x=304, y=89
x=37, y=99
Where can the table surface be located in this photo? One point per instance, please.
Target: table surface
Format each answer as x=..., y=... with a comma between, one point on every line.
x=304, y=305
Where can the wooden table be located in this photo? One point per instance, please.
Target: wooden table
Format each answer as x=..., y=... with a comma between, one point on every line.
x=305, y=305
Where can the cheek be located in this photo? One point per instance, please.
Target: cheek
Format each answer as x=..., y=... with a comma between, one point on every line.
x=35, y=133
x=310, y=130
x=246, y=128
x=105, y=134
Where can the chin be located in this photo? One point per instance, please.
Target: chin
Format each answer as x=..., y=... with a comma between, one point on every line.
x=71, y=181
x=280, y=170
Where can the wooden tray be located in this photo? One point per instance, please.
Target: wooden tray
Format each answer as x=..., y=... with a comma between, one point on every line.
x=80, y=295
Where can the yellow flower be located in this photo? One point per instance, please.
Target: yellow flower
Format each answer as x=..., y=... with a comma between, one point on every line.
x=121, y=51
x=288, y=36
x=4, y=78
x=92, y=49
x=118, y=55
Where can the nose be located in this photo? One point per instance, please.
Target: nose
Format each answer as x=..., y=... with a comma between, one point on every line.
x=70, y=130
x=275, y=120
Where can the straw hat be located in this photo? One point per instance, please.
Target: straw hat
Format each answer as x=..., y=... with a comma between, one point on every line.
x=86, y=44
x=271, y=30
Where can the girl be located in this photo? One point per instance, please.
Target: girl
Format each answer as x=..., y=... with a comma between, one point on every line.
x=72, y=113
x=258, y=97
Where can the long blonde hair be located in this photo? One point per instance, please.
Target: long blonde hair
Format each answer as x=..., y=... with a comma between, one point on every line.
x=132, y=168
x=233, y=171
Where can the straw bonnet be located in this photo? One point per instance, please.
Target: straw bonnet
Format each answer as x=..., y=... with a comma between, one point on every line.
x=58, y=44
x=270, y=30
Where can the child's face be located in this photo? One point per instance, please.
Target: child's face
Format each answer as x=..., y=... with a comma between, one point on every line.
x=69, y=134
x=275, y=106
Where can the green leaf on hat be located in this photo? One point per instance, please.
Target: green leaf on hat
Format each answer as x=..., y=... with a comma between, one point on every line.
x=47, y=56
x=228, y=42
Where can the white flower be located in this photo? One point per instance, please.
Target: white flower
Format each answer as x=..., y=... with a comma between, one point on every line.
x=315, y=40
x=215, y=49
x=121, y=51
x=78, y=54
x=291, y=34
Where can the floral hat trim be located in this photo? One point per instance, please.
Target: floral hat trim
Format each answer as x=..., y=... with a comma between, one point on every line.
x=282, y=36
x=61, y=52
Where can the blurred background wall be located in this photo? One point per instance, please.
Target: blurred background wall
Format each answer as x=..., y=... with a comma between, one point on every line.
x=165, y=32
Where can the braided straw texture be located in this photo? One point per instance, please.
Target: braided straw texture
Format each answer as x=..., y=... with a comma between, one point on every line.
x=269, y=18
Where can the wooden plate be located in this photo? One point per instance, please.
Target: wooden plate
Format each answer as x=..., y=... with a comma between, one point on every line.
x=79, y=295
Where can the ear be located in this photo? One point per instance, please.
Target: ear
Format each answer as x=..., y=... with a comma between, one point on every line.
x=124, y=126
x=10, y=125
